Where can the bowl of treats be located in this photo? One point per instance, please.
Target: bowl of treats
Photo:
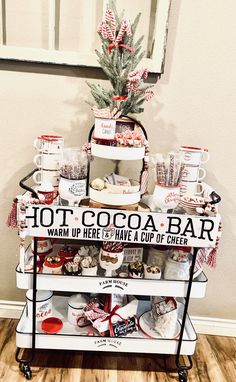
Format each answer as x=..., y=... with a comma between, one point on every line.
x=115, y=189
x=152, y=272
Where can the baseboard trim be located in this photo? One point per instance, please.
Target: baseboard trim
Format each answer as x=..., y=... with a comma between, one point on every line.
x=214, y=326
x=11, y=309
x=202, y=325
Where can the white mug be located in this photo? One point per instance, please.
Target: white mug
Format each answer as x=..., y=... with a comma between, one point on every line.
x=165, y=197
x=191, y=188
x=48, y=161
x=49, y=143
x=46, y=192
x=47, y=175
x=72, y=190
x=193, y=173
x=194, y=156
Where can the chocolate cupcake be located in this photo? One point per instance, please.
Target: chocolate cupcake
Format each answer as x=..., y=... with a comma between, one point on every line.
x=136, y=270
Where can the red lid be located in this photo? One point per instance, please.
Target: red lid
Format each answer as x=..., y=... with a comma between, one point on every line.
x=51, y=138
x=193, y=148
x=53, y=264
x=51, y=325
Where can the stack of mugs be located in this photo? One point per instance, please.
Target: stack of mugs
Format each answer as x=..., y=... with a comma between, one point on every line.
x=48, y=159
x=193, y=173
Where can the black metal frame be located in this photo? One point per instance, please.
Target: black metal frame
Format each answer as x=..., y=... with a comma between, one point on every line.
x=24, y=364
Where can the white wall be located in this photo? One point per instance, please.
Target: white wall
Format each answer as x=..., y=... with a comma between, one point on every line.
x=194, y=105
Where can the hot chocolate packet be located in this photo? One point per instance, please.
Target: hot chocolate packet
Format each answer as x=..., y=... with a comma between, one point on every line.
x=162, y=305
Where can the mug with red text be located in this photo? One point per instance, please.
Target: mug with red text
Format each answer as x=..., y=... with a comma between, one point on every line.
x=166, y=197
x=52, y=176
x=49, y=144
x=193, y=174
x=191, y=188
x=194, y=156
x=48, y=161
x=46, y=192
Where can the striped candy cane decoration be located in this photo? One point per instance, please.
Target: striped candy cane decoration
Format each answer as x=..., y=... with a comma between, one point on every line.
x=104, y=30
x=137, y=74
x=128, y=28
x=144, y=176
x=110, y=34
x=99, y=30
x=144, y=182
x=121, y=32
x=135, y=77
x=110, y=17
x=148, y=94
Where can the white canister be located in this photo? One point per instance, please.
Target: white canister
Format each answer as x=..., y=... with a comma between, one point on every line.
x=76, y=305
x=157, y=256
x=92, y=271
x=176, y=270
x=43, y=304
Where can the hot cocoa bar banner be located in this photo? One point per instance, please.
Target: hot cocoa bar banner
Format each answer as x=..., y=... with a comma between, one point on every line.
x=120, y=225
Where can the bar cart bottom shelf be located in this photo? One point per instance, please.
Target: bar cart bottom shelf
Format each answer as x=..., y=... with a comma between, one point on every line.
x=74, y=338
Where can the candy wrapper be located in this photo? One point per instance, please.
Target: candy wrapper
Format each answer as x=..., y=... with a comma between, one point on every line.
x=103, y=324
x=169, y=168
x=118, y=180
x=74, y=164
x=165, y=314
x=130, y=138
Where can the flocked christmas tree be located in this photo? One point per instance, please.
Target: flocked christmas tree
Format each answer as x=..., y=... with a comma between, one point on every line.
x=119, y=58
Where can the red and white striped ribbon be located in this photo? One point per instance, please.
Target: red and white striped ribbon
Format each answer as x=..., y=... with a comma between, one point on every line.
x=106, y=113
x=144, y=182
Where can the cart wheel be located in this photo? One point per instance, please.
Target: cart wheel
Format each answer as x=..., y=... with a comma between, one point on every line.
x=183, y=377
x=26, y=370
x=28, y=374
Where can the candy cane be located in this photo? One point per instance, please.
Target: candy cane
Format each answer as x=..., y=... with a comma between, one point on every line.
x=110, y=17
x=128, y=27
x=144, y=182
x=121, y=31
x=110, y=34
x=148, y=94
x=99, y=30
x=104, y=29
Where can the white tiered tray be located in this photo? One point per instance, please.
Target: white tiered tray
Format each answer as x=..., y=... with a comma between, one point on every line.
x=118, y=153
x=114, y=199
x=72, y=338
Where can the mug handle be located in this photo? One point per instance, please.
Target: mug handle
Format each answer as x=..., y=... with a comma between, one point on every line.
x=36, y=176
x=37, y=160
x=36, y=143
x=203, y=173
x=206, y=155
x=202, y=189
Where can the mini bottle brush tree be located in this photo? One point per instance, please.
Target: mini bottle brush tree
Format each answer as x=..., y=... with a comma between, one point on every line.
x=119, y=58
